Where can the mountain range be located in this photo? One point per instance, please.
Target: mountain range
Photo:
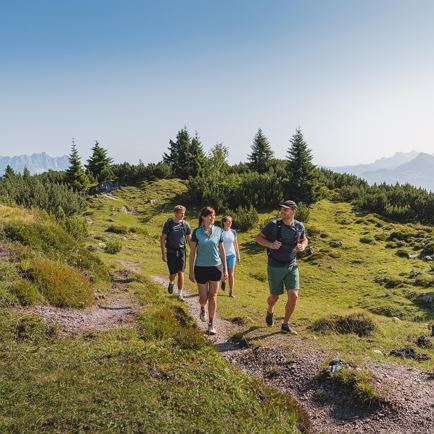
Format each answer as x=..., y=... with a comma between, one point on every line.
x=36, y=163
x=416, y=168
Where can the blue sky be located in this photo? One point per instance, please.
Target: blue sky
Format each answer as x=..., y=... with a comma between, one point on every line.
x=356, y=76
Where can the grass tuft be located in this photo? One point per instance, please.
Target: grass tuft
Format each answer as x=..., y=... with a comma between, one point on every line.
x=27, y=294
x=62, y=285
x=113, y=247
x=357, y=323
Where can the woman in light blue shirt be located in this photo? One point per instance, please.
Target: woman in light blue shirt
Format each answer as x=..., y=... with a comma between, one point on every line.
x=207, y=256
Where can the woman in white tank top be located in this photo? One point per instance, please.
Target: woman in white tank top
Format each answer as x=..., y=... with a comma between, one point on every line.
x=232, y=252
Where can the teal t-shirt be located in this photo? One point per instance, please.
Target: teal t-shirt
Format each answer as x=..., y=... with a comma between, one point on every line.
x=207, y=247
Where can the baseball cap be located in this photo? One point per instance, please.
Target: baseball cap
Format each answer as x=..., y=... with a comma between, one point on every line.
x=288, y=204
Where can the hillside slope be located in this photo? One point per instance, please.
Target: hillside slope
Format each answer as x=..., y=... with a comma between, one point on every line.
x=154, y=373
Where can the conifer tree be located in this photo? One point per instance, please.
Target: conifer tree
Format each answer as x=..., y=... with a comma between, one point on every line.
x=302, y=180
x=262, y=156
x=185, y=155
x=99, y=164
x=9, y=172
x=75, y=175
x=26, y=173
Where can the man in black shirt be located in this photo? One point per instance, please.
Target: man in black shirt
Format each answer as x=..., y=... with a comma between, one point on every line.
x=284, y=238
x=176, y=232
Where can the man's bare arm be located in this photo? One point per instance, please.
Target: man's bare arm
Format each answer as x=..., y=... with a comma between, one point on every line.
x=262, y=240
x=163, y=239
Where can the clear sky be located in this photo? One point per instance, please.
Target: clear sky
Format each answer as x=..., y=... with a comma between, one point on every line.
x=356, y=75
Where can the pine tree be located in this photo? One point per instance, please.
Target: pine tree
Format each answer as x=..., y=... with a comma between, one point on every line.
x=217, y=160
x=99, y=164
x=302, y=183
x=185, y=156
x=75, y=175
x=9, y=173
x=26, y=173
x=261, y=158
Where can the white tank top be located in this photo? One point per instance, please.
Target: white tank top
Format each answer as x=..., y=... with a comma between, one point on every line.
x=228, y=241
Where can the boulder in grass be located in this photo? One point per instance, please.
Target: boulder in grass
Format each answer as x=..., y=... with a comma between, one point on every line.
x=427, y=258
x=336, y=243
x=413, y=255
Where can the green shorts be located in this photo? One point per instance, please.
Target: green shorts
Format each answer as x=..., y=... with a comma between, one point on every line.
x=278, y=277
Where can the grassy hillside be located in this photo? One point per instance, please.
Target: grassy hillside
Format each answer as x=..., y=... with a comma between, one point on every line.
x=40, y=262
x=158, y=374
x=360, y=265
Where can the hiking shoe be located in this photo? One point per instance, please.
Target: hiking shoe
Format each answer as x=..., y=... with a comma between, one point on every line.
x=202, y=315
x=231, y=294
x=286, y=328
x=223, y=285
x=170, y=287
x=180, y=294
x=269, y=319
x=211, y=329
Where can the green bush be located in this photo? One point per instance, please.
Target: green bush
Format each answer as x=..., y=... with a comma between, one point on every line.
x=244, y=219
x=52, y=240
x=76, y=226
x=32, y=328
x=62, y=285
x=117, y=229
x=27, y=294
x=171, y=323
x=402, y=253
x=357, y=323
x=113, y=247
x=425, y=281
x=387, y=310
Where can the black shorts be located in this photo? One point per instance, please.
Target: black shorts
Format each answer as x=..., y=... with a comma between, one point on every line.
x=176, y=261
x=207, y=274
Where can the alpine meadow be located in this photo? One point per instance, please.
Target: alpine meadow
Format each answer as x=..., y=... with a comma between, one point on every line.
x=92, y=341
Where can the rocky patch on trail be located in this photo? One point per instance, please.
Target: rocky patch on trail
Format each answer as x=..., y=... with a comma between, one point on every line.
x=110, y=312
x=294, y=365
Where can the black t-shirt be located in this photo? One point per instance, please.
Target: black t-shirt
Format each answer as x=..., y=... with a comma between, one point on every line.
x=290, y=236
x=176, y=233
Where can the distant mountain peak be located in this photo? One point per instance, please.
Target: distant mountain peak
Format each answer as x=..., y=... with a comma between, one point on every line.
x=35, y=163
x=413, y=167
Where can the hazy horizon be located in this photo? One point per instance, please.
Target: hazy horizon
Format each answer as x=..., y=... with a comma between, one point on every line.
x=355, y=76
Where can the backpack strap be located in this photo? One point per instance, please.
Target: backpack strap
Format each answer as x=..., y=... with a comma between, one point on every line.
x=171, y=224
x=276, y=233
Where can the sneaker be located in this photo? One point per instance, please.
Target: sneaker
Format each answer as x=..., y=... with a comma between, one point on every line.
x=269, y=319
x=223, y=285
x=170, y=287
x=231, y=294
x=211, y=329
x=286, y=328
x=181, y=294
x=202, y=315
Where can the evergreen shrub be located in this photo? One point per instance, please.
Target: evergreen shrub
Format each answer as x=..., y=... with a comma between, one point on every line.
x=27, y=294
x=62, y=285
x=113, y=247
x=245, y=218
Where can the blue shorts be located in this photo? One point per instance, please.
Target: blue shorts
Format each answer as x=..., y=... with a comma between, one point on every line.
x=230, y=262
